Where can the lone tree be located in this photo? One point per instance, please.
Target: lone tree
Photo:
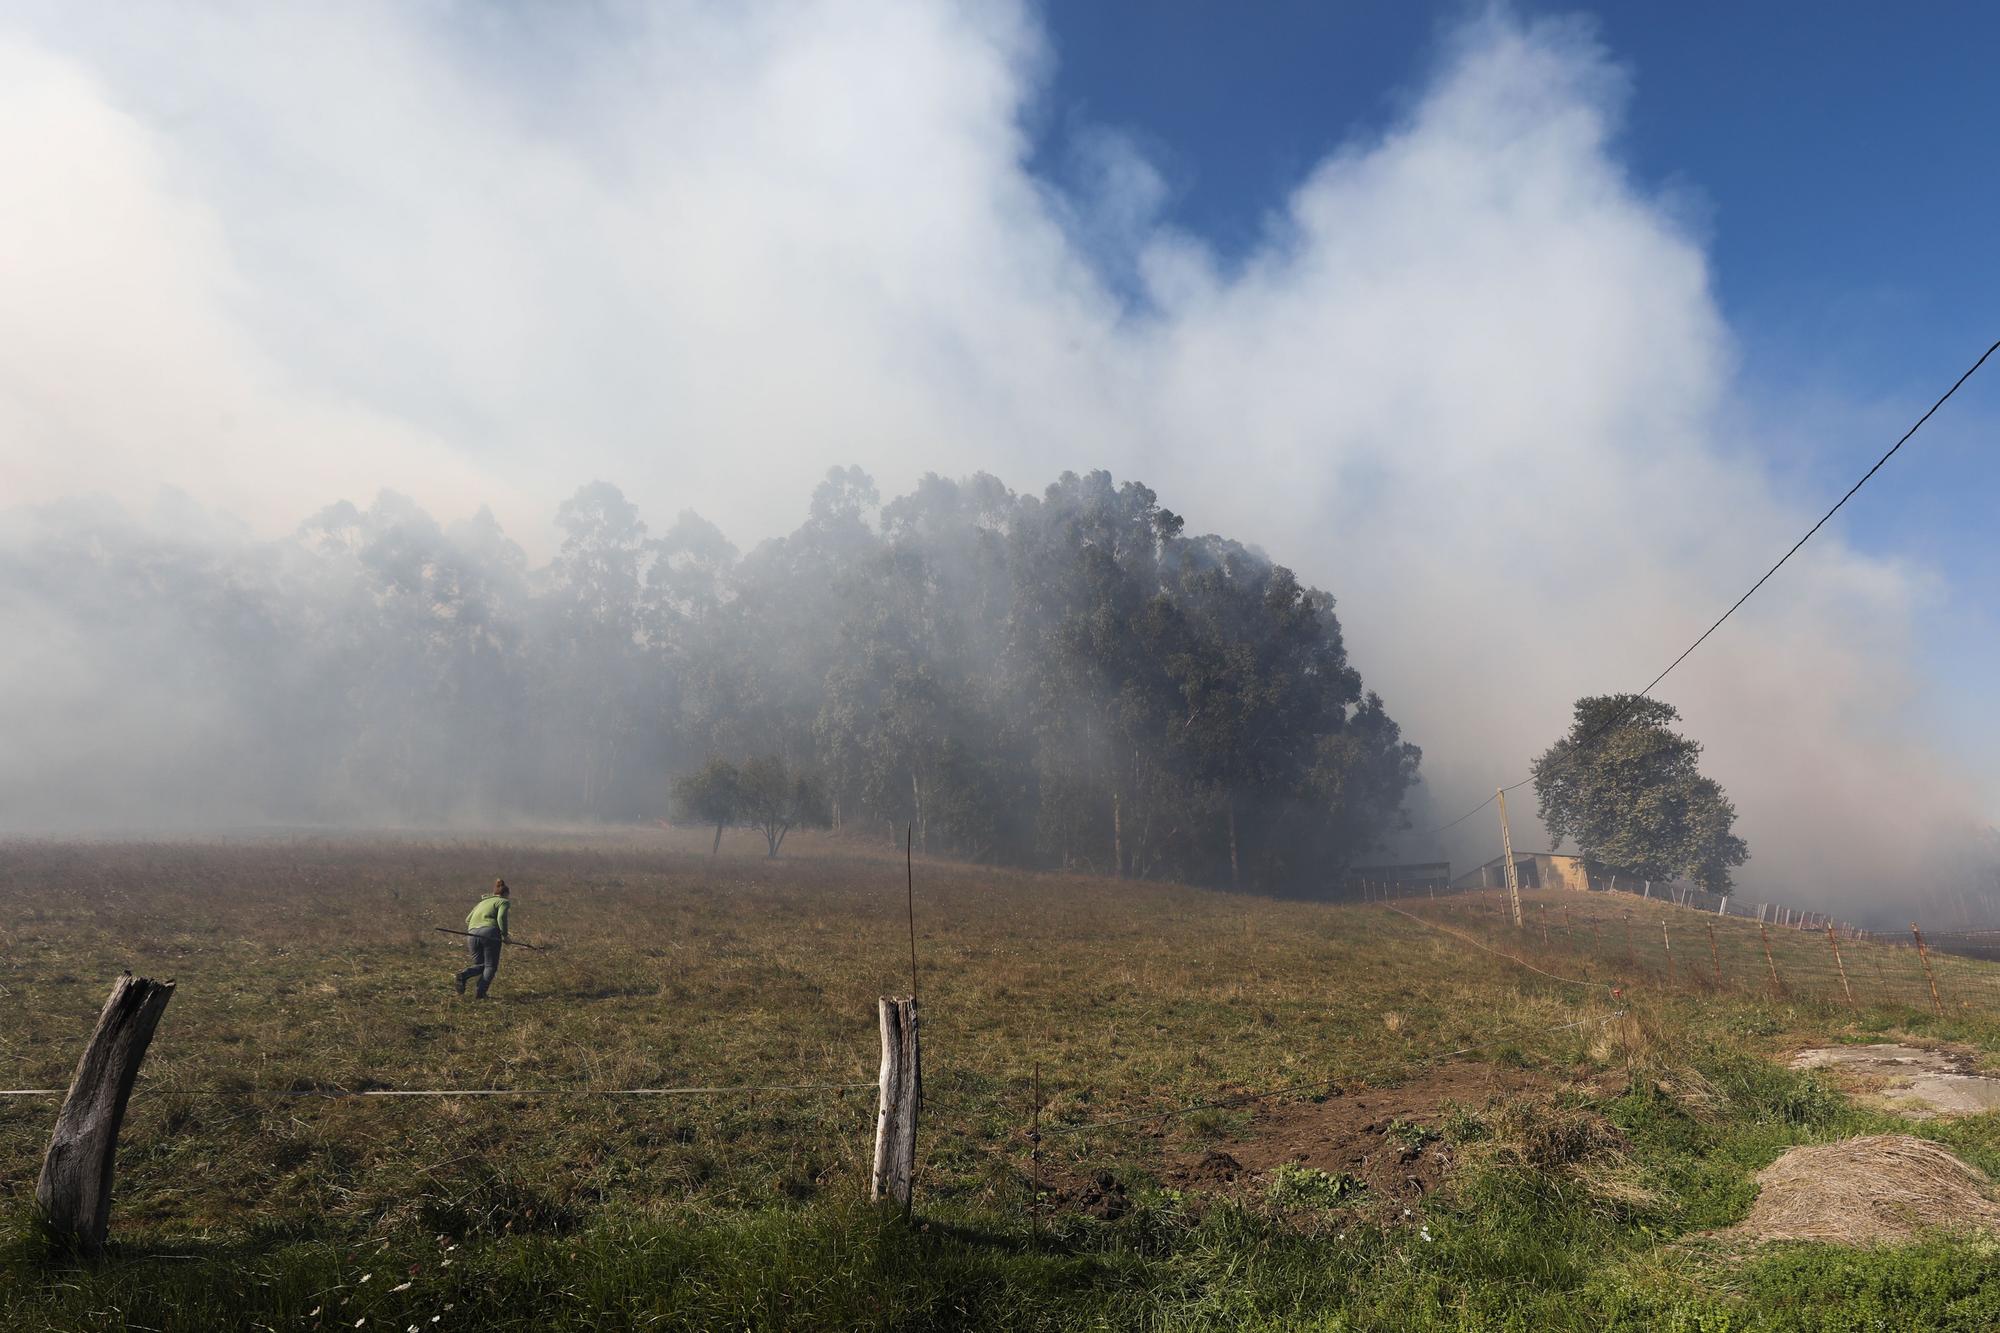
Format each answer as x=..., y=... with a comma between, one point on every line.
x=775, y=799
x=1625, y=786
x=712, y=794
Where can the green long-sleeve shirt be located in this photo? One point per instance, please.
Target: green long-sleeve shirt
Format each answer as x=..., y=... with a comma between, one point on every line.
x=491, y=911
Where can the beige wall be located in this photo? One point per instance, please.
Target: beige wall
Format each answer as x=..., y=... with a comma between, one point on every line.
x=1564, y=872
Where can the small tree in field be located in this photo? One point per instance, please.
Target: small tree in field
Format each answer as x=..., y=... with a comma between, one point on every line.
x=712, y=794
x=776, y=799
x=1626, y=787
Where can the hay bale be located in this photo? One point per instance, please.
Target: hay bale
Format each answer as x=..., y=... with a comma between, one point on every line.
x=1880, y=1189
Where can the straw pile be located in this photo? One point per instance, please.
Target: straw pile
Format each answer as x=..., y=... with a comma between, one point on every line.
x=1881, y=1189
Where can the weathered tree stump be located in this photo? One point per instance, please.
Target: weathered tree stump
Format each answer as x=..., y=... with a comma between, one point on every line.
x=896, y=1116
x=73, y=1195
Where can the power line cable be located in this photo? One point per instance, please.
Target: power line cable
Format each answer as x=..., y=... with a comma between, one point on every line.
x=1615, y=719
x=333, y=1094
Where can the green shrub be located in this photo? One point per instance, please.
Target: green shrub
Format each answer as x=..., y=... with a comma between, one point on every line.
x=1302, y=1187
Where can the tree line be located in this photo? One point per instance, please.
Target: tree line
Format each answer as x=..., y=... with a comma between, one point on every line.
x=1062, y=679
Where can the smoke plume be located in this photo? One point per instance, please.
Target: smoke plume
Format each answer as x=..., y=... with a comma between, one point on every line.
x=1473, y=377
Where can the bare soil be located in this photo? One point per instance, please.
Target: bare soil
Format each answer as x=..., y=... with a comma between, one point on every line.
x=1390, y=1139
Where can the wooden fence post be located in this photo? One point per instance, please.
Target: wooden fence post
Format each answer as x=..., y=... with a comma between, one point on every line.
x=1925, y=954
x=1667, y=941
x=1777, y=986
x=73, y=1195
x=1715, y=956
x=896, y=1116
x=1628, y=939
x=1839, y=966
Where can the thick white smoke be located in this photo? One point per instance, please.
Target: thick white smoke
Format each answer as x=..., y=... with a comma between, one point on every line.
x=1471, y=380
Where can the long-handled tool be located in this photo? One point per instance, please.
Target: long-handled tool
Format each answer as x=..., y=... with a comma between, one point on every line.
x=447, y=930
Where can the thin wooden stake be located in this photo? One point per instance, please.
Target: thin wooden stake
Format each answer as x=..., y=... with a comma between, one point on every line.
x=910, y=900
x=1930, y=976
x=1714, y=955
x=1629, y=957
x=1777, y=987
x=1035, y=1139
x=1668, y=941
x=1834, y=940
x=73, y=1194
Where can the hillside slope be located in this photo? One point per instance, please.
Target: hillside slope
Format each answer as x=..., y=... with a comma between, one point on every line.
x=1252, y=1112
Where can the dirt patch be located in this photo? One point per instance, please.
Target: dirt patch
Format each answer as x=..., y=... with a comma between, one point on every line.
x=1389, y=1139
x=1102, y=1196
x=1912, y=1081
x=1881, y=1189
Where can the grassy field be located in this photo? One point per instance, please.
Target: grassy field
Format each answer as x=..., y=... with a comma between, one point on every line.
x=1475, y=1127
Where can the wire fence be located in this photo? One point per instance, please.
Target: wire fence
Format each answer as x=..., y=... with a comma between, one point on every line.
x=336, y=1094
x=1683, y=943
x=1678, y=893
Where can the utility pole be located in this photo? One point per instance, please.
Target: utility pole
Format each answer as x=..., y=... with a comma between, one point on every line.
x=1507, y=852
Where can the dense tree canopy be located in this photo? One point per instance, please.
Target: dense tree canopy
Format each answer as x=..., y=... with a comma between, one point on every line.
x=1058, y=679
x=1626, y=787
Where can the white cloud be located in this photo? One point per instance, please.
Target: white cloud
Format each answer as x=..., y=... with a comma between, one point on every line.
x=1474, y=381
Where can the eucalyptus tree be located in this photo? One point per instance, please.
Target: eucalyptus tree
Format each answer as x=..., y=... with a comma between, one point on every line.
x=591, y=646
x=1059, y=678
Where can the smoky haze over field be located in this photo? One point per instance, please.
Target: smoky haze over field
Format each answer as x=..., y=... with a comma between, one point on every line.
x=1472, y=381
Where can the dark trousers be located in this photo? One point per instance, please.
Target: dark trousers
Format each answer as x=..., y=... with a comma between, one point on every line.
x=485, y=948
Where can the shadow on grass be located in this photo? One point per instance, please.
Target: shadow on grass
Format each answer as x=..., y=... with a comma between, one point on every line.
x=28, y=1247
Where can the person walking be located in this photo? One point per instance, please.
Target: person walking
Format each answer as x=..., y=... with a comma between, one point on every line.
x=487, y=923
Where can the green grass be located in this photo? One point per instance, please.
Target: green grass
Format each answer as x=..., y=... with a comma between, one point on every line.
x=310, y=964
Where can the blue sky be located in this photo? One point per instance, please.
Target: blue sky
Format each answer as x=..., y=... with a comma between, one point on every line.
x=1842, y=167
x=1836, y=162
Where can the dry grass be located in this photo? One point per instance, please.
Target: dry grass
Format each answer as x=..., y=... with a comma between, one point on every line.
x=1875, y=1190
x=311, y=964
